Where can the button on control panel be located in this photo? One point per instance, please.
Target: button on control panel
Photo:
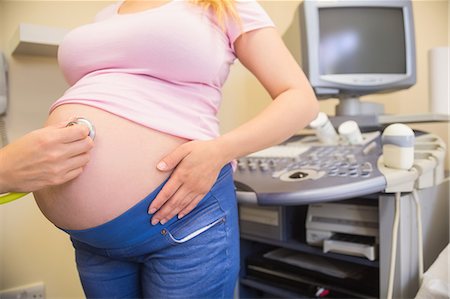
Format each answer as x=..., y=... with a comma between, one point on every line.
x=342, y=161
x=304, y=170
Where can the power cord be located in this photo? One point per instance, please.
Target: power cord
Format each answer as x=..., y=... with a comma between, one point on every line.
x=419, y=234
x=394, y=246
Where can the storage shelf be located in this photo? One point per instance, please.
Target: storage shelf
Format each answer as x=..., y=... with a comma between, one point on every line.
x=270, y=289
x=30, y=39
x=284, y=291
x=302, y=247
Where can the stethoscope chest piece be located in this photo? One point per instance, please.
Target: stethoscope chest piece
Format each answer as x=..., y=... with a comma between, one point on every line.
x=77, y=121
x=85, y=122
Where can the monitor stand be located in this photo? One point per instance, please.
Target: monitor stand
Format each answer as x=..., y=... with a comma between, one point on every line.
x=351, y=105
x=364, y=113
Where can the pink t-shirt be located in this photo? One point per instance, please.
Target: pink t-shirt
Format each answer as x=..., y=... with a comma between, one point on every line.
x=162, y=68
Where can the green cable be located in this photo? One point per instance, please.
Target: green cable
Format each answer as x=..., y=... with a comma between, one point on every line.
x=11, y=197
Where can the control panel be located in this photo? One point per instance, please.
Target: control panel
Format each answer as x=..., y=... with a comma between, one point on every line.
x=304, y=170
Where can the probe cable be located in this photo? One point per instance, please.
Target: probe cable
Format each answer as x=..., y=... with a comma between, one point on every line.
x=419, y=235
x=395, y=227
x=394, y=245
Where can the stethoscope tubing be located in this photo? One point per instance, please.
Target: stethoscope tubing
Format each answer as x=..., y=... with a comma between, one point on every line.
x=11, y=197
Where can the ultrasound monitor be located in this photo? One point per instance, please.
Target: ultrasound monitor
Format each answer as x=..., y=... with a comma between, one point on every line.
x=354, y=48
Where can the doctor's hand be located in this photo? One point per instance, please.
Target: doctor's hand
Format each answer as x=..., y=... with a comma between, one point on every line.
x=196, y=166
x=49, y=156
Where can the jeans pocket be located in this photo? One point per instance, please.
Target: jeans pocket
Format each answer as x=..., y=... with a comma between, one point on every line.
x=198, y=221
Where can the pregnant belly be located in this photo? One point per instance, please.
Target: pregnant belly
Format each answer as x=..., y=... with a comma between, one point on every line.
x=121, y=171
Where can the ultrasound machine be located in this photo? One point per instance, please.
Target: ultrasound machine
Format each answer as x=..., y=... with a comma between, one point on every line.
x=349, y=49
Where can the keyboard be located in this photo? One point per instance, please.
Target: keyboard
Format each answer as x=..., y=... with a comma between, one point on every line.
x=303, y=171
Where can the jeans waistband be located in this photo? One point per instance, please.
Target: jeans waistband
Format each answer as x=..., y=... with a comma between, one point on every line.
x=133, y=226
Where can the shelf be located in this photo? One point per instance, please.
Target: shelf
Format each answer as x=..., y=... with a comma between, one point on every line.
x=413, y=118
x=302, y=247
x=285, y=291
x=270, y=289
x=37, y=40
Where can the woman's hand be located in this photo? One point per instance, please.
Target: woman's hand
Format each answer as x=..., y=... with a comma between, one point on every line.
x=197, y=165
x=294, y=106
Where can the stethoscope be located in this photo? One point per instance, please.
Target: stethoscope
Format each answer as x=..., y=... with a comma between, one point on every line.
x=77, y=121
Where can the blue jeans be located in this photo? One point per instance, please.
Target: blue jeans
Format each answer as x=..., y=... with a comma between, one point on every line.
x=193, y=257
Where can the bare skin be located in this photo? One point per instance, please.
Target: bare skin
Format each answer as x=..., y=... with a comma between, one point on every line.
x=120, y=173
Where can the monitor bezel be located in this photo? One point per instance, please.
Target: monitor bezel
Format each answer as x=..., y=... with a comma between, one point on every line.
x=336, y=85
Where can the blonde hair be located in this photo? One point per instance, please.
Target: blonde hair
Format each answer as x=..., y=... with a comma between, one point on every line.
x=222, y=9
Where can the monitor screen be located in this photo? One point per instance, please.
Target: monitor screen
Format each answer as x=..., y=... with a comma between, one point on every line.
x=352, y=48
x=361, y=40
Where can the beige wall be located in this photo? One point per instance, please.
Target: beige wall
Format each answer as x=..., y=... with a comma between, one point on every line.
x=31, y=249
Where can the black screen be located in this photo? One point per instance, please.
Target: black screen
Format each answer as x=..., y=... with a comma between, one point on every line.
x=362, y=40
